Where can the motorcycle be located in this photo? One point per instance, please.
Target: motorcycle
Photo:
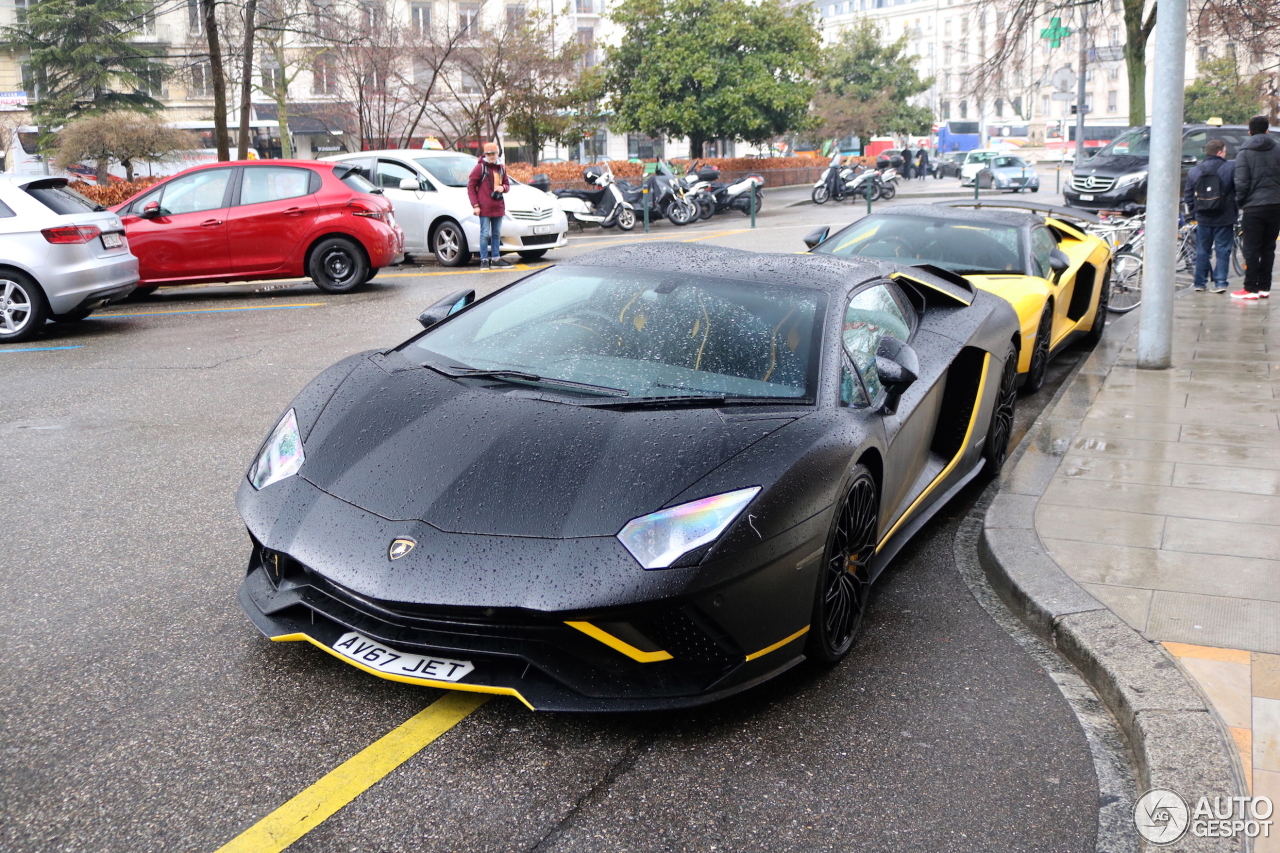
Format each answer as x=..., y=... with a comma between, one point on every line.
x=606, y=206
x=888, y=179
x=717, y=197
x=834, y=183
x=667, y=196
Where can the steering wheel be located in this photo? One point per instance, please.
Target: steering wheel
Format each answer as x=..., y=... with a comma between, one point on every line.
x=892, y=240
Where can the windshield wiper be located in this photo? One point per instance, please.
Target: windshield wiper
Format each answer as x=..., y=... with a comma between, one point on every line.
x=698, y=400
x=458, y=372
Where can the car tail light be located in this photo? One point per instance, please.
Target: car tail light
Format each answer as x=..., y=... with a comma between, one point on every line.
x=361, y=208
x=72, y=233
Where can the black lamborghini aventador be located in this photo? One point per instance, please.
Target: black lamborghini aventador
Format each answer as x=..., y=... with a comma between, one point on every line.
x=649, y=478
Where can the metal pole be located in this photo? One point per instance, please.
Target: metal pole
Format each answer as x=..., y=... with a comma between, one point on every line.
x=1080, y=82
x=644, y=194
x=1155, y=330
x=753, y=205
x=868, y=188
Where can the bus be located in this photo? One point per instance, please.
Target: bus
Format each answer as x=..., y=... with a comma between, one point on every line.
x=958, y=136
x=1095, y=135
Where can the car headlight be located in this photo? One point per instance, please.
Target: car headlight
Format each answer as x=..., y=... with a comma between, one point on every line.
x=659, y=539
x=1130, y=180
x=281, y=456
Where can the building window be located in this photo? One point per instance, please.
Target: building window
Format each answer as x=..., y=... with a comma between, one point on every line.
x=1115, y=35
x=946, y=54
x=151, y=83
x=420, y=17
x=19, y=12
x=273, y=79
x=946, y=27
x=201, y=81
x=468, y=21
x=1113, y=74
x=587, y=38
x=964, y=26
x=195, y=18
x=945, y=109
x=324, y=78
x=371, y=14
x=999, y=107
x=468, y=84
x=1113, y=101
x=1044, y=105
x=643, y=147
x=585, y=7
x=1017, y=106
x=964, y=109
x=515, y=15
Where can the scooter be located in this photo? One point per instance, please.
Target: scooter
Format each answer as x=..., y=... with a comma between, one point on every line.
x=737, y=196
x=834, y=183
x=606, y=206
x=667, y=196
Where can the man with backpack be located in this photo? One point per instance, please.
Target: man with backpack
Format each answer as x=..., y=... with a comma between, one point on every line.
x=1257, y=180
x=1210, y=198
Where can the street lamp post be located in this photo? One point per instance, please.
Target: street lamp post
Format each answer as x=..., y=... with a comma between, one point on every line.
x=1164, y=173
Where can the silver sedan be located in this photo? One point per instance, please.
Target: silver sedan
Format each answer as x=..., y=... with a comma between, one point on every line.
x=61, y=255
x=1006, y=172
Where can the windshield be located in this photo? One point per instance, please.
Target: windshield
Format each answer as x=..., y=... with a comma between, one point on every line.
x=979, y=157
x=356, y=181
x=652, y=334
x=452, y=170
x=1008, y=163
x=60, y=198
x=956, y=245
x=1134, y=143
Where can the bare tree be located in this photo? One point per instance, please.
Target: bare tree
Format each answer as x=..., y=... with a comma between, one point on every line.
x=1245, y=31
x=123, y=137
x=1009, y=67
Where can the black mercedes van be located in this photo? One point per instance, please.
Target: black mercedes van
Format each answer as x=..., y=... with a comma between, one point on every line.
x=1117, y=174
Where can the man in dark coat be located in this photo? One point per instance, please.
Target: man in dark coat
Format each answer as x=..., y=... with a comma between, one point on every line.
x=1215, y=226
x=1257, y=180
x=486, y=187
x=922, y=163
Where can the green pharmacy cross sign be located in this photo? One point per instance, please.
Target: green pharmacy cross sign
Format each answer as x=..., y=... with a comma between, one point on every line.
x=1055, y=32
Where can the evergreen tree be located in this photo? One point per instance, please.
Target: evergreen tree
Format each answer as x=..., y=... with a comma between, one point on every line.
x=708, y=69
x=1221, y=92
x=84, y=58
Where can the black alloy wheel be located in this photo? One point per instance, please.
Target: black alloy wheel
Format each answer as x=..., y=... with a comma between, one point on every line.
x=845, y=582
x=706, y=208
x=1100, y=317
x=1000, y=432
x=1040, y=354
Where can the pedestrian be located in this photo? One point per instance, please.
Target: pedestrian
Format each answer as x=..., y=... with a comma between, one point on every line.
x=486, y=187
x=922, y=163
x=907, y=164
x=1210, y=197
x=1257, y=179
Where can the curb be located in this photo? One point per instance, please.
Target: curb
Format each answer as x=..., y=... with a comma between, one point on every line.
x=1176, y=739
x=905, y=196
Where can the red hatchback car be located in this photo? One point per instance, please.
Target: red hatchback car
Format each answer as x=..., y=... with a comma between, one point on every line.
x=252, y=220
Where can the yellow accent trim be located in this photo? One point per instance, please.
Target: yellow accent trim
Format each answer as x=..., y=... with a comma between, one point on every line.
x=955, y=460
x=351, y=778
x=968, y=300
x=443, y=685
x=619, y=645
x=797, y=635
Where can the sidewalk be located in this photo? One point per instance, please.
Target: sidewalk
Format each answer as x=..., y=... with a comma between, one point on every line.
x=1166, y=508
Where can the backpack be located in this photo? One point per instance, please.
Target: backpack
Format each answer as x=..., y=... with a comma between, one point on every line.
x=1208, y=192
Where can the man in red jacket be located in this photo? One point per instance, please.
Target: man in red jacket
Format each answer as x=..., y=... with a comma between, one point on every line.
x=485, y=188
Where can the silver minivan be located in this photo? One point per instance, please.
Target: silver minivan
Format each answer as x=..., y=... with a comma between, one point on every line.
x=61, y=255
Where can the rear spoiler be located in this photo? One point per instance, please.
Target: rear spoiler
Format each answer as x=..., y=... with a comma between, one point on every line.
x=1052, y=210
x=954, y=287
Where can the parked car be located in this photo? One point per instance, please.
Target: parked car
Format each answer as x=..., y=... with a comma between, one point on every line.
x=1117, y=175
x=974, y=162
x=429, y=189
x=251, y=220
x=726, y=449
x=1037, y=257
x=947, y=165
x=61, y=255
x=1009, y=173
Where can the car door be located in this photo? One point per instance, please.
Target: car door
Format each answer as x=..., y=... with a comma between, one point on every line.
x=871, y=314
x=1042, y=246
x=274, y=211
x=188, y=239
x=410, y=205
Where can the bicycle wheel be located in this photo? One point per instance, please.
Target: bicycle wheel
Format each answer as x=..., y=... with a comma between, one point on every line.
x=1126, y=283
x=1237, y=255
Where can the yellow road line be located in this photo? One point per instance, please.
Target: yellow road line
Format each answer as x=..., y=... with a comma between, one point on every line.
x=214, y=310
x=353, y=777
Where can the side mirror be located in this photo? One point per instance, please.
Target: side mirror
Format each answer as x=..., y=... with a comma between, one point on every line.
x=897, y=368
x=1058, y=262
x=815, y=237
x=410, y=184
x=447, y=307
x=1188, y=159
x=150, y=210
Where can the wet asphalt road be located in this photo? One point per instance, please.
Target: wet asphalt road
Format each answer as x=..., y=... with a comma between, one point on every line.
x=139, y=710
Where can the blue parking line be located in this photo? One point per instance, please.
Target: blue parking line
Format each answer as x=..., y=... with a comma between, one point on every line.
x=204, y=311
x=40, y=349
